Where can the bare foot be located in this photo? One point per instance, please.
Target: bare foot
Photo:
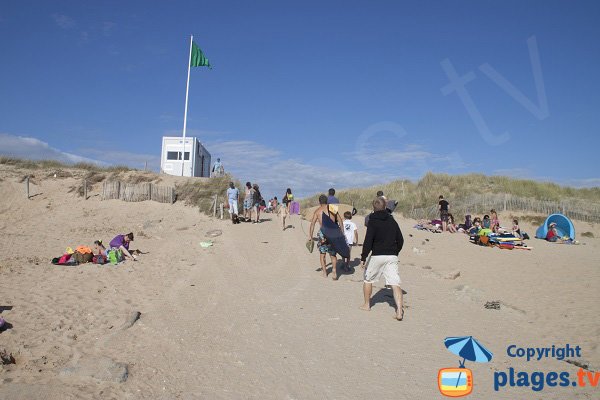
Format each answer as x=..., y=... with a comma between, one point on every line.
x=335, y=277
x=365, y=307
x=400, y=315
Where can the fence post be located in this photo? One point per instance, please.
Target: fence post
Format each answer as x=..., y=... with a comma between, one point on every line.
x=27, y=186
x=85, y=197
x=221, y=209
x=215, y=207
x=149, y=191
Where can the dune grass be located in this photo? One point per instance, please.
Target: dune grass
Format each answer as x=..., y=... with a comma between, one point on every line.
x=459, y=189
x=54, y=164
x=201, y=193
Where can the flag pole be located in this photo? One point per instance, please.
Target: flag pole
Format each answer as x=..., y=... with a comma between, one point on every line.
x=187, y=89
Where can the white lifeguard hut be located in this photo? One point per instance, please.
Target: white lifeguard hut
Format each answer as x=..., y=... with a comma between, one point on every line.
x=189, y=158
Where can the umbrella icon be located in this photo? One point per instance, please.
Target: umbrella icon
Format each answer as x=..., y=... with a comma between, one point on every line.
x=469, y=349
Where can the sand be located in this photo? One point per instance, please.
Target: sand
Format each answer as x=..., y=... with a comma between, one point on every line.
x=252, y=318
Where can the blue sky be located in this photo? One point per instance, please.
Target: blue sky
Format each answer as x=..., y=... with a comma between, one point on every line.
x=309, y=94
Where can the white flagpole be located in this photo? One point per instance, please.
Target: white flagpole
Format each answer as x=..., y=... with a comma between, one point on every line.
x=187, y=89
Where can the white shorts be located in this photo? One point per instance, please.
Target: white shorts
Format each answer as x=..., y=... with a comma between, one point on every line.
x=383, y=265
x=233, y=207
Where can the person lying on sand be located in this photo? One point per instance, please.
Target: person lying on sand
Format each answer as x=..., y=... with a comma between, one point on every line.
x=121, y=242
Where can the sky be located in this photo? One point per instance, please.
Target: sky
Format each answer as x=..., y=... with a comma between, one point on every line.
x=310, y=94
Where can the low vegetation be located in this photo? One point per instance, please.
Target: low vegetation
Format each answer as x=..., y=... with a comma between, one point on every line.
x=464, y=192
x=58, y=165
x=201, y=193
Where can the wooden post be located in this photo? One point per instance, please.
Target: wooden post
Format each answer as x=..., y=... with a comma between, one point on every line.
x=221, y=209
x=27, y=186
x=85, y=197
x=215, y=206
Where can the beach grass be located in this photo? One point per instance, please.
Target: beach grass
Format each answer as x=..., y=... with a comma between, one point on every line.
x=201, y=193
x=462, y=189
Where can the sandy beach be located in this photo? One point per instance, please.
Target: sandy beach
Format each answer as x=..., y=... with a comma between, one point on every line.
x=252, y=318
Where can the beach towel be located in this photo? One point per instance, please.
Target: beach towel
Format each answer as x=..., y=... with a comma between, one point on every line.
x=83, y=250
x=295, y=208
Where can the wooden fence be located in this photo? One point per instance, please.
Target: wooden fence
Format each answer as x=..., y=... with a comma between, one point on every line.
x=138, y=192
x=482, y=204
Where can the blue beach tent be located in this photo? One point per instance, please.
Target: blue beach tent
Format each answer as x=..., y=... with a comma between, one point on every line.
x=564, y=226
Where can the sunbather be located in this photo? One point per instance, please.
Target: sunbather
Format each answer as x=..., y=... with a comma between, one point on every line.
x=121, y=242
x=451, y=226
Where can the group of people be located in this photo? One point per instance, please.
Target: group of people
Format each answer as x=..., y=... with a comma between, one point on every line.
x=251, y=206
x=471, y=225
x=119, y=243
x=117, y=251
x=379, y=257
x=254, y=203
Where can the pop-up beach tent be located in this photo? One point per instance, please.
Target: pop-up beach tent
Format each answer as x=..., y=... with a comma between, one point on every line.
x=564, y=226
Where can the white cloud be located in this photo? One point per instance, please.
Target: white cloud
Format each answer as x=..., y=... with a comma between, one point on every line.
x=255, y=162
x=514, y=172
x=582, y=182
x=63, y=21
x=35, y=149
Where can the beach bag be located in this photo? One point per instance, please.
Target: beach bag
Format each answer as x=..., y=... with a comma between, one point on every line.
x=112, y=256
x=484, y=240
x=82, y=258
x=99, y=259
x=310, y=245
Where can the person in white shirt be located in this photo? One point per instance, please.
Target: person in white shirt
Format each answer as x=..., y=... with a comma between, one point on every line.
x=351, y=234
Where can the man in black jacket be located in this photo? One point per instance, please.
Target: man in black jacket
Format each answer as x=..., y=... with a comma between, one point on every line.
x=384, y=241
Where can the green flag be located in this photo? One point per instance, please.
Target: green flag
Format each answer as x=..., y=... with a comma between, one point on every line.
x=198, y=59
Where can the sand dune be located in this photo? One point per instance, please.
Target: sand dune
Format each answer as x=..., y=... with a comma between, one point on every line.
x=252, y=318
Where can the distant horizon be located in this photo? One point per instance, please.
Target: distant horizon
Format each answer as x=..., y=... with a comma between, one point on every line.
x=73, y=164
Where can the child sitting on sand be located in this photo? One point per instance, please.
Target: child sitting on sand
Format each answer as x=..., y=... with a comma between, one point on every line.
x=98, y=248
x=283, y=213
x=476, y=226
x=351, y=234
x=516, y=230
x=486, y=223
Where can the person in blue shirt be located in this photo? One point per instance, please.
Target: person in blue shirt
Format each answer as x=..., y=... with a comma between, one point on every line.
x=233, y=197
x=218, y=169
x=331, y=199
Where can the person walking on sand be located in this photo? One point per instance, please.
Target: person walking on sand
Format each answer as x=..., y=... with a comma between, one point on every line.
x=324, y=246
x=384, y=241
x=233, y=197
x=331, y=199
x=443, y=206
x=256, y=203
x=351, y=234
x=283, y=214
x=248, y=202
